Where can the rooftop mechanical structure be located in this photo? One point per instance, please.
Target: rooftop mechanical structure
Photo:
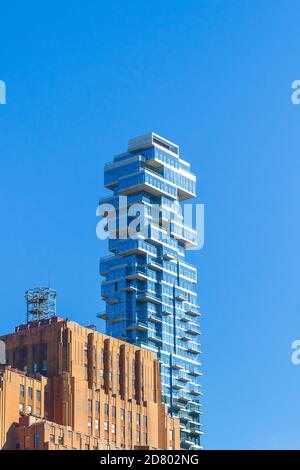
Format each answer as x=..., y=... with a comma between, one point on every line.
x=41, y=304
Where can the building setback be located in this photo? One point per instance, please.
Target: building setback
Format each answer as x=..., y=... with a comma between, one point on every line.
x=69, y=387
x=149, y=287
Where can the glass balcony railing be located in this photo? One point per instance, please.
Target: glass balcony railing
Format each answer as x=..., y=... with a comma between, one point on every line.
x=192, y=310
x=186, y=235
x=146, y=296
x=154, y=337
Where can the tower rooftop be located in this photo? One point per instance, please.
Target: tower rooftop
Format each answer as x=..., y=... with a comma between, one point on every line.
x=152, y=139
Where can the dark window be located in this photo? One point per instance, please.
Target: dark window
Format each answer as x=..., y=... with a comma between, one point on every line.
x=44, y=350
x=36, y=440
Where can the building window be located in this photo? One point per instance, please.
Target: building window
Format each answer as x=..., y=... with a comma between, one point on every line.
x=38, y=412
x=138, y=419
x=34, y=351
x=129, y=434
x=171, y=435
x=101, y=373
x=145, y=438
x=22, y=390
x=36, y=440
x=113, y=411
x=52, y=439
x=97, y=406
x=129, y=416
x=21, y=407
x=60, y=440
x=122, y=414
x=145, y=421
x=113, y=428
x=29, y=409
x=105, y=426
x=89, y=421
x=106, y=409
x=35, y=367
x=85, y=371
x=17, y=444
x=97, y=424
x=30, y=393
x=89, y=405
x=138, y=437
x=38, y=395
x=44, y=350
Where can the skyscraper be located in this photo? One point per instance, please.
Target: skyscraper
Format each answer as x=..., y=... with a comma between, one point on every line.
x=149, y=287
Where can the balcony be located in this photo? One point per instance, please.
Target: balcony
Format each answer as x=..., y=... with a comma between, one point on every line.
x=138, y=274
x=148, y=181
x=194, y=408
x=187, y=442
x=195, y=393
x=184, y=338
x=182, y=376
x=103, y=315
x=166, y=311
x=184, y=234
x=192, y=310
x=177, y=386
x=185, y=193
x=155, y=319
x=183, y=415
x=168, y=256
x=195, y=373
x=147, y=296
x=177, y=366
x=183, y=399
x=117, y=318
x=129, y=288
x=193, y=330
x=178, y=406
x=180, y=295
x=185, y=319
x=154, y=265
x=195, y=431
x=140, y=326
x=152, y=336
x=113, y=301
x=128, y=247
x=193, y=349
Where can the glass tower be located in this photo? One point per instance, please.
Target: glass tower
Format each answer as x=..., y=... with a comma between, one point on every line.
x=148, y=286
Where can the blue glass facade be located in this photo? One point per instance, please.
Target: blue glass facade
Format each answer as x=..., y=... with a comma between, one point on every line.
x=149, y=288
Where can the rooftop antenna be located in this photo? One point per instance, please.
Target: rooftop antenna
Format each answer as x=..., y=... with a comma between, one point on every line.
x=41, y=304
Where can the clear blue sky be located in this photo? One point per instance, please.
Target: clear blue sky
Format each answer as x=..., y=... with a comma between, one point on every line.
x=213, y=76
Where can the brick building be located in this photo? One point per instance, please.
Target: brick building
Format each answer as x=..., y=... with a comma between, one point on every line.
x=69, y=387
